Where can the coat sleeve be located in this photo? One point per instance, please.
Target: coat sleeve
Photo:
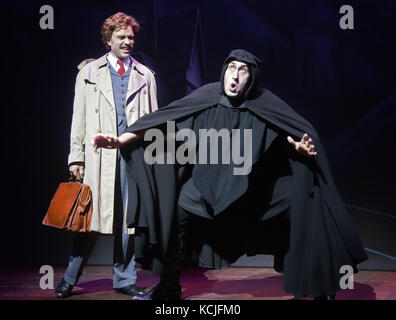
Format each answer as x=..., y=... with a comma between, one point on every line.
x=78, y=128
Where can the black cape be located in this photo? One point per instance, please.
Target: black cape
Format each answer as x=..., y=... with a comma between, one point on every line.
x=321, y=237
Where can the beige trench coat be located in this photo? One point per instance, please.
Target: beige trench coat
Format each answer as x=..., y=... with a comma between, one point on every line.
x=94, y=112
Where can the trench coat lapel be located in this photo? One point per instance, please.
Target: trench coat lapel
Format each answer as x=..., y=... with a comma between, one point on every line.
x=104, y=80
x=136, y=80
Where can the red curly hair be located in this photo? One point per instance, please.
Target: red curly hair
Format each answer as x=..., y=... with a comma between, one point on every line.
x=115, y=22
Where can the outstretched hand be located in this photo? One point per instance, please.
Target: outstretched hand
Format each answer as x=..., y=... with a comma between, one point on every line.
x=304, y=146
x=105, y=141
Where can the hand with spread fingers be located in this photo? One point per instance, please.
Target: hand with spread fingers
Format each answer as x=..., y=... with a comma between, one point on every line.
x=304, y=146
x=110, y=142
x=105, y=141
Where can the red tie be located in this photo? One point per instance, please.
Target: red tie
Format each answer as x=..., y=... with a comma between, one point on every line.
x=121, y=70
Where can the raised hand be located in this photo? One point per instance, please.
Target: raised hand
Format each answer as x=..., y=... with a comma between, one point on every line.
x=105, y=141
x=304, y=146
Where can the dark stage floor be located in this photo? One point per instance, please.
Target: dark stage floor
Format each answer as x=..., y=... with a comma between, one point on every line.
x=235, y=283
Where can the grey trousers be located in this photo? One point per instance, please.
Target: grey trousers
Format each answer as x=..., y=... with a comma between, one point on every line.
x=124, y=271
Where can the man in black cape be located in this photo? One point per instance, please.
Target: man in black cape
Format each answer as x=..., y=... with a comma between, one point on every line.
x=286, y=203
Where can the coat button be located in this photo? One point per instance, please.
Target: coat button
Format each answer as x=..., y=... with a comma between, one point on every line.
x=98, y=131
x=144, y=91
x=145, y=112
x=94, y=89
x=96, y=110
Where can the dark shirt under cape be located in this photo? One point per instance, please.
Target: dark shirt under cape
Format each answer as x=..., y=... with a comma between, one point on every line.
x=319, y=238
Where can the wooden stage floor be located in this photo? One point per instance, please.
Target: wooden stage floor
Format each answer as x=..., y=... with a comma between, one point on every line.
x=235, y=283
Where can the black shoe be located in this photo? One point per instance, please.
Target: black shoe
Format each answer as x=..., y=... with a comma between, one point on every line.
x=63, y=289
x=158, y=293
x=131, y=290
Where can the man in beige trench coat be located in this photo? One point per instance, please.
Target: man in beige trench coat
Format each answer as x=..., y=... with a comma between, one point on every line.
x=111, y=93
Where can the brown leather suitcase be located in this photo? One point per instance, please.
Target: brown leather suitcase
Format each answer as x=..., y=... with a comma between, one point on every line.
x=70, y=208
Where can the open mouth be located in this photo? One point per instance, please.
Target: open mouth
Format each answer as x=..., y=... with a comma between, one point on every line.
x=233, y=87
